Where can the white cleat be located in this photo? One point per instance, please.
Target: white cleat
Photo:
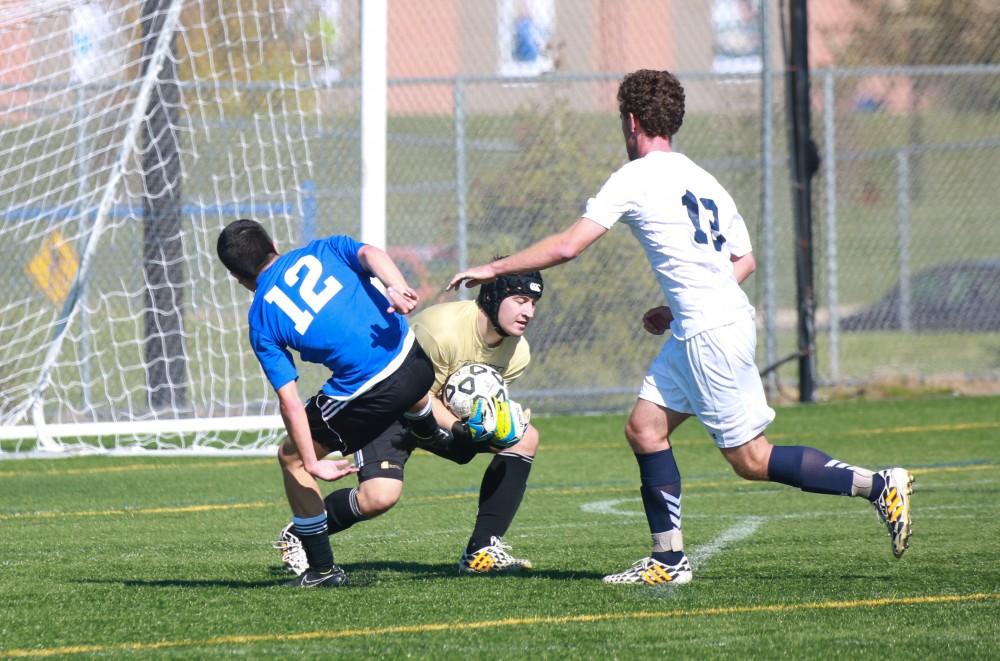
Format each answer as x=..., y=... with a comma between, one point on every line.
x=492, y=559
x=653, y=572
x=893, y=507
x=293, y=554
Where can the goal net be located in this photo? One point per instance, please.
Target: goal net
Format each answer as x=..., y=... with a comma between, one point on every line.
x=130, y=134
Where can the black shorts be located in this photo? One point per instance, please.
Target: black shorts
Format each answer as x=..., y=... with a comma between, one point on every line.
x=347, y=426
x=385, y=456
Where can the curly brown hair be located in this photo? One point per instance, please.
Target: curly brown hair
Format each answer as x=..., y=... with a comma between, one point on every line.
x=655, y=98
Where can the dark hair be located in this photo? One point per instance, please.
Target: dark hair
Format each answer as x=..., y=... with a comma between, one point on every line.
x=655, y=98
x=244, y=247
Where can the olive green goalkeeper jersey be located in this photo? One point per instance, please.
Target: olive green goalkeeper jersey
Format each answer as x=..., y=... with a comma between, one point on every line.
x=449, y=335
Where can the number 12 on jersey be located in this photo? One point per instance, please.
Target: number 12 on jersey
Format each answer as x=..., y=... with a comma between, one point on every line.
x=307, y=292
x=690, y=202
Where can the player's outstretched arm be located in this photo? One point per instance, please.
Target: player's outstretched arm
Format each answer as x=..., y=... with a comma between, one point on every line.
x=293, y=413
x=550, y=251
x=378, y=262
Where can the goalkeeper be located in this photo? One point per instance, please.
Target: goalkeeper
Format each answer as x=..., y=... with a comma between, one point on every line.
x=488, y=330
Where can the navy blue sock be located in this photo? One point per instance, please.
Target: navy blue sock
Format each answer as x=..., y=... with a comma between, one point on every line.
x=878, y=483
x=311, y=530
x=810, y=470
x=661, y=498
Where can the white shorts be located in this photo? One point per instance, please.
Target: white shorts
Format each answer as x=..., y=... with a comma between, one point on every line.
x=713, y=376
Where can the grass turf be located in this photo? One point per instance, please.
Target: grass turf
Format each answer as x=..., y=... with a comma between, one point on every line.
x=156, y=556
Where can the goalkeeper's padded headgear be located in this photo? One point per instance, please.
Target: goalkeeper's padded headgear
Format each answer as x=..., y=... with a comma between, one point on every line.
x=492, y=294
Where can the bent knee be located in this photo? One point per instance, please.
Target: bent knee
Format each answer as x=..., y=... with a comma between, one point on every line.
x=528, y=445
x=374, y=501
x=750, y=461
x=645, y=439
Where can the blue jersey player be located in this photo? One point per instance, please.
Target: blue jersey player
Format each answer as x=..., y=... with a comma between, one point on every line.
x=319, y=301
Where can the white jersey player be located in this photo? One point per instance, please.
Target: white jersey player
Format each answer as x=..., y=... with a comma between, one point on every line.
x=699, y=249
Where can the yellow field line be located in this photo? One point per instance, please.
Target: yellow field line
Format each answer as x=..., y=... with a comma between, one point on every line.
x=187, y=509
x=128, y=468
x=566, y=491
x=960, y=426
x=557, y=447
x=952, y=469
x=498, y=624
x=557, y=491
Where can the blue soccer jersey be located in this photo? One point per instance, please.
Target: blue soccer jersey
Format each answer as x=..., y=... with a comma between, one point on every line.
x=319, y=301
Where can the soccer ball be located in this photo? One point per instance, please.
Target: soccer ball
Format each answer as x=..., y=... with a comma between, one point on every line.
x=469, y=382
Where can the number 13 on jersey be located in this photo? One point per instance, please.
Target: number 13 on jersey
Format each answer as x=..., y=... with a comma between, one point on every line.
x=307, y=292
x=694, y=213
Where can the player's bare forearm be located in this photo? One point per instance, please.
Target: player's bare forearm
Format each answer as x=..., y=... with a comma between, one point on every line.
x=293, y=414
x=550, y=251
x=378, y=262
x=743, y=266
x=444, y=417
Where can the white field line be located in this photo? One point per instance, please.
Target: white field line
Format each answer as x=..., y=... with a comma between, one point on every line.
x=736, y=533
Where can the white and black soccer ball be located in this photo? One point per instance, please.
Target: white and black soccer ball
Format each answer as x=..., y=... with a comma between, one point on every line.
x=469, y=382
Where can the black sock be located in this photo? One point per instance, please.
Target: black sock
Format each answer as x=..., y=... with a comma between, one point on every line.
x=500, y=495
x=342, y=510
x=422, y=423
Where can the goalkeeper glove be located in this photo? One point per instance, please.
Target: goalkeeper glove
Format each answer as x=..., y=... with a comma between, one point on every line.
x=511, y=423
x=482, y=422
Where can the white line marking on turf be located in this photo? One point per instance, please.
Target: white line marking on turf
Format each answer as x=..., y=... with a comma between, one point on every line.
x=610, y=507
x=736, y=533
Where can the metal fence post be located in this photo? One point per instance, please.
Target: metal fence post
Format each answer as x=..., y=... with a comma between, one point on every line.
x=767, y=200
x=460, y=182
x=903, y=223
x=830, y=186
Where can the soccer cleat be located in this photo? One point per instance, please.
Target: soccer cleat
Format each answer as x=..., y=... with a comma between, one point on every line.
x=293, y=554
x=311, y=578
x=653, y=572
x=893, y=507
x=494, y=558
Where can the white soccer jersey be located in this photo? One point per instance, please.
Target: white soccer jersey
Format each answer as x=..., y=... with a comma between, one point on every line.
x=689, y=227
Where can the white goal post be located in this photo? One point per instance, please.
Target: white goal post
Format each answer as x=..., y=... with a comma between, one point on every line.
x=130, y=134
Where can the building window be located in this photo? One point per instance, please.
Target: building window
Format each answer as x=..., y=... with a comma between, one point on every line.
x=524, y=34
x=736, y=36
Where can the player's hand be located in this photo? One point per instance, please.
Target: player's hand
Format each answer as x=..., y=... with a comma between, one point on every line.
x=482, y=422
x=657, y=320
x=403, y=299
x=332, y=469
x=512, y=422
x=473, y=277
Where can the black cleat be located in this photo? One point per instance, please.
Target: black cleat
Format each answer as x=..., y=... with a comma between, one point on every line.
x=311, y=578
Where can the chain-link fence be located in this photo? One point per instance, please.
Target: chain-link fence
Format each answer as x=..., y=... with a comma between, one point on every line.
x=502, y=122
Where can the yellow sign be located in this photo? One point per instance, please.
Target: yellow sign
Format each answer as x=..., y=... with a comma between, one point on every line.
x=53, y=267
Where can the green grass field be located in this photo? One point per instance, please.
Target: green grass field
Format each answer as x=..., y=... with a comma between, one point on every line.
x=170, y=556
